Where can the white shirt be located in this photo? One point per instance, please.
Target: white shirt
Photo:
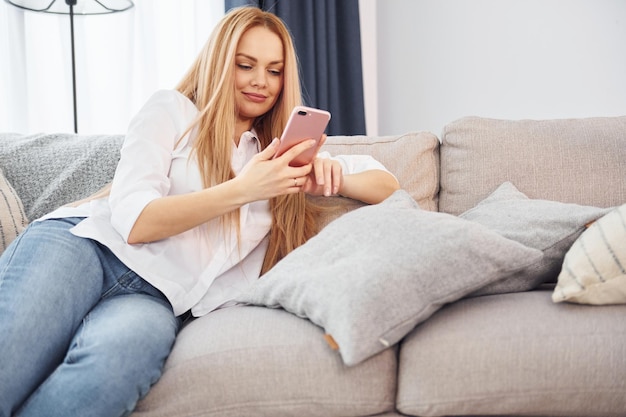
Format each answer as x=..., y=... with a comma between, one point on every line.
x=203, y=268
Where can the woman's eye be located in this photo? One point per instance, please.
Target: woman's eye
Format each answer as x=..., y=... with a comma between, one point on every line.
x=244, y=66
x=275, y=72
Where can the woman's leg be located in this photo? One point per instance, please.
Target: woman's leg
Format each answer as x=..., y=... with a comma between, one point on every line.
x=117, y=354
x=60, y=292
x=49, y=280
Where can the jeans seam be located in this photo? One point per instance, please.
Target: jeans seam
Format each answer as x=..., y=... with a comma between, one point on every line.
x=11, y=254
x=119, y=283
x=78, y=339
x=110, y=291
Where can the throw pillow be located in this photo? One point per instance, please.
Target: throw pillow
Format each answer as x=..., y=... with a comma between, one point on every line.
x=51, y=170
x=12, y=217
x=549, y=226
x=372, y=275
x=594, y=269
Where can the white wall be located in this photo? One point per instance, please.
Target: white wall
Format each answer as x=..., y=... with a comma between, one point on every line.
x=438, y=60
x=369, y=57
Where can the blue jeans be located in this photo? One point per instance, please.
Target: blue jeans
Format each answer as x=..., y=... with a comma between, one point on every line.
x=80, y=333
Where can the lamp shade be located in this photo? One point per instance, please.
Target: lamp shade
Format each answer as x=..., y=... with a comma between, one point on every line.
x=84, y=7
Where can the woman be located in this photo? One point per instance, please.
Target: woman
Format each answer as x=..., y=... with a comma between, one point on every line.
x=91, y=297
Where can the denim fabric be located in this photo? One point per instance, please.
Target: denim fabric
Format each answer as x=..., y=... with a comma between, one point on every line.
x=80, y=333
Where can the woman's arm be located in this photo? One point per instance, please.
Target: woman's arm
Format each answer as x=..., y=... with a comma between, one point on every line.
x=262, y=178
x=360, y=177
x=371, y=186
x=171, y=215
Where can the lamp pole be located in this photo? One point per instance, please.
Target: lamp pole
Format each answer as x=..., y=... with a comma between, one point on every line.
x=72, y=3
x=87, y=7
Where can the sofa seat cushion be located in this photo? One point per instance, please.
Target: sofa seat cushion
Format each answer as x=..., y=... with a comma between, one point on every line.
x=255, y=361
x=516, y=354
x=571, y=160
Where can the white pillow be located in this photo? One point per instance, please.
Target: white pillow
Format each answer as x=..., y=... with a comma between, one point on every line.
x=12, y=217
x=594, y=269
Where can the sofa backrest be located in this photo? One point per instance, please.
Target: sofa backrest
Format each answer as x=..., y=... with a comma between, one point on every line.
x=49, y=170
x=579, y=161
x=412, y=157
x=571, y=160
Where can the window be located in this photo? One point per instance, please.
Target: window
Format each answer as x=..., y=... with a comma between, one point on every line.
x=121, y=59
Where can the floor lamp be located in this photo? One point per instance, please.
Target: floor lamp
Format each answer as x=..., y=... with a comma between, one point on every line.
x=71, y=8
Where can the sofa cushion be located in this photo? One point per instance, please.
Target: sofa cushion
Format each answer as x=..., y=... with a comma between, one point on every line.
x=412, y=157
x=50, y=170
x=252, y=361
x=549, y=226
x=12, y=217
x=573, y=160
x=372, y=275
x=594, y=270
x=516, y=354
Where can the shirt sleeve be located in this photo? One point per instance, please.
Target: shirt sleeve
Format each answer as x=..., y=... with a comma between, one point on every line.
x=354, y=164
x=145, y=157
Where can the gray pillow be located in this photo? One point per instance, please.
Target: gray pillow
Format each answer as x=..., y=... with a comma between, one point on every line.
x=50, y=170
x=549, y=226
x=373, y=274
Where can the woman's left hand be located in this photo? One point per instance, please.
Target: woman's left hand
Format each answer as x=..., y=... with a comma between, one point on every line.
x=326, y=178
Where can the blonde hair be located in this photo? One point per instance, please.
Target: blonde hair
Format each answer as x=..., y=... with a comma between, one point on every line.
x=209, y=83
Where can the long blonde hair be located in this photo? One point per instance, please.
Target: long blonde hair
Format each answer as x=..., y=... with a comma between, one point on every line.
x=209, y=83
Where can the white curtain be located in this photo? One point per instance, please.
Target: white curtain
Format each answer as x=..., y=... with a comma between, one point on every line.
x=121, y=59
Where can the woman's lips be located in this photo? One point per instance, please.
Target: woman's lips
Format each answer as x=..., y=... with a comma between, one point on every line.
x=257, y=98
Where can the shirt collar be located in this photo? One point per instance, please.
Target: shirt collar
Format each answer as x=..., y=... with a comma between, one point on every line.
x=250, y=136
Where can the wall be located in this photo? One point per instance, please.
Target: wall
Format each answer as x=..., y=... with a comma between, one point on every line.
x=438, y=60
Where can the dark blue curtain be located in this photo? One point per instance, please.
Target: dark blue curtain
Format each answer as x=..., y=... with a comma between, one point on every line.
x=328, y=44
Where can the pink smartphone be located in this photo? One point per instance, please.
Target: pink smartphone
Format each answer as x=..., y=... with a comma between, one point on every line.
x=304, y=123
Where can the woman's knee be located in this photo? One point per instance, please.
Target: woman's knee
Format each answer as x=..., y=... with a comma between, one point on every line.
x=116, y=355
x=130, y=332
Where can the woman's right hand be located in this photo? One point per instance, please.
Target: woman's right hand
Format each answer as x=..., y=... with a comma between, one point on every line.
x=264, y=176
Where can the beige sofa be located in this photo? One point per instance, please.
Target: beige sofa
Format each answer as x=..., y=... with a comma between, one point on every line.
x=511, y=352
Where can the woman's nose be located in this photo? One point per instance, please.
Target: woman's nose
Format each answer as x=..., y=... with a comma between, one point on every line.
x=259, y=79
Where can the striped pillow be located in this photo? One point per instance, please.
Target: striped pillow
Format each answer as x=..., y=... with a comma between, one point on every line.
x=12, y=217
x=594, y=268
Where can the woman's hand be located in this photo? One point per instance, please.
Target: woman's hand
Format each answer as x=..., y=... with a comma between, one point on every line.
x=264, y=177
x=326, y=178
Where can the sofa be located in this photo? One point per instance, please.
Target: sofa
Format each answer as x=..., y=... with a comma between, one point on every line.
x=490, y=324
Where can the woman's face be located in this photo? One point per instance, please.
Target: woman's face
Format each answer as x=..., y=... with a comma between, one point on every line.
x=259, y=65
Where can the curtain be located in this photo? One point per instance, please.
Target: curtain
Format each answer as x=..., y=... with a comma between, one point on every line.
x=327, y=38
x=121, y=59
